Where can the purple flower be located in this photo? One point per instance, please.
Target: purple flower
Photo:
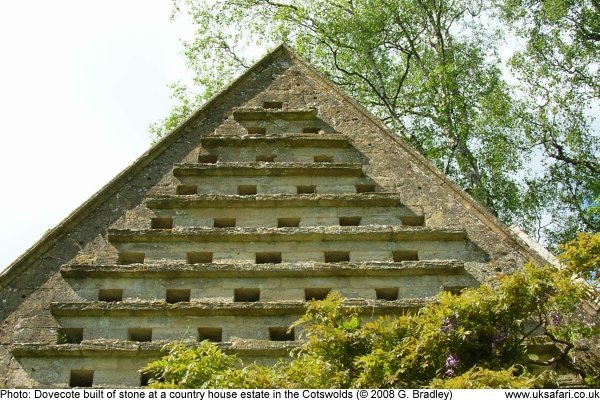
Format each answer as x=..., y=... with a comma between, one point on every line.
x=450, y=323
x=451, y=365
x=556, y=318
x=499, y=339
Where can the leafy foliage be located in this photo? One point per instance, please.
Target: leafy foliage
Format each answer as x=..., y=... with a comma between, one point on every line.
x=431, y=71
x=483, y=338
x=582, y=256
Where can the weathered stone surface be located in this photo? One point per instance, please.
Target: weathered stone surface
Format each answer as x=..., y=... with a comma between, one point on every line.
x=261, y=113
x=221, y=308
x=267, y=169
x=275, y=200
x=179, y=270
x=329, y=233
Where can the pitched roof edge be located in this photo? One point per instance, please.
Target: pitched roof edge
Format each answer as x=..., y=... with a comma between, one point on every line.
x=465, y=199
x=53, y=235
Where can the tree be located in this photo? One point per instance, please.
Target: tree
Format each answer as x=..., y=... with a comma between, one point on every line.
x=559, y=94
x=430, y=70
x=482, y=338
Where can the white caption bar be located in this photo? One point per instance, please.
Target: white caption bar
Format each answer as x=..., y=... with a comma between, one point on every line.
x=297, y=394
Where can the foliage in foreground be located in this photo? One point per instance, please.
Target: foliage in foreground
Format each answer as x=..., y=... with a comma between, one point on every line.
x=483, y=338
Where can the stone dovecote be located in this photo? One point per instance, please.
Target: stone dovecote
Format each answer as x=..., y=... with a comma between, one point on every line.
x=278, y=191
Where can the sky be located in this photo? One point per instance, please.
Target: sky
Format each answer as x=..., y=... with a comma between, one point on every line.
x=80, y=81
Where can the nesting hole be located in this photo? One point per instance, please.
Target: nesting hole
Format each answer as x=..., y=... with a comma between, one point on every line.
x=70, y=335
x=281, y=334
x=322, y=158
x=454, y=290
x=210, y=334
x=268, y=258
x=207, y=159
x=257, y=130
x=349, y=221
x=288, y=222
x=265, y=157
x=389, y=293
x=413, y=220
x=81, y=378
x=337, y=256
x=246, y=190
x=365, y=188
x=187, y=189
x=224, y=223
x=246, y=295
x=129, y=257
x=161, y=223
x=272, y=104
x=139, y=334
x=145, y=377
x=178, y=296
x=316, y=293
x=306, y=189
x=199, y=257
x=110, y=295
x=405, y=255
x=310, y=129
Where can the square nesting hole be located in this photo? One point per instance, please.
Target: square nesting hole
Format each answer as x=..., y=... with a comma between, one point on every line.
x=81, y=378
x=139, y=334
x=70, y=335
x=199, y=257
x=281, y=334
x=178, y=296
x=272, y=104
x=187, y=189
x=110, y=295
x=323, y=159
x=292, y=222
x=413, y=220
x=256, y=130
x=405, y=255
x=224, y=222
x=268, y=258
x=246, y=190
x=249, y=295
x=337, y=256
x=210, y=334
x=310, y=129
x=306, y=189
x=265, y=158
x=349, y=221
x=316, y=293
x=129, y=257
x=388, y=293
x=365, y=188
x=207, y=159
x=161, y=223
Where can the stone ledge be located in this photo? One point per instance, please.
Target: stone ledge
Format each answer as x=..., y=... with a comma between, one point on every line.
x=302, y=234
x=221, y=308
x=267, y=169
x=379, y=199
x=281, y=140
x=251, y=270
x=259, y=113
x=124, y=348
